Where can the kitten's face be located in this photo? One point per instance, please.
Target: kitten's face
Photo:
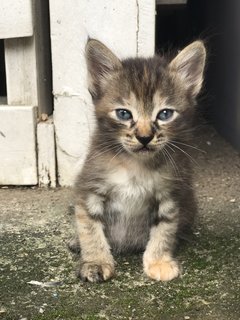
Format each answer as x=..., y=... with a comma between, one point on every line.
x=143, y=105
x=141, y=127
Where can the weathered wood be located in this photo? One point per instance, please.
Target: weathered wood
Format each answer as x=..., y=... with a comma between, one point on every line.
x=146, y=28
x=28, y=78
x=46, y=154
x=21, y=72
x=28, y=64
x=74, y=123
x=16, y=19
x=18, y=145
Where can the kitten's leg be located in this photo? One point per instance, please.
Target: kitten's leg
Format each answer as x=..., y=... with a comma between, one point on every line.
x=158, y=259
x=74, y=245
x=97, y=263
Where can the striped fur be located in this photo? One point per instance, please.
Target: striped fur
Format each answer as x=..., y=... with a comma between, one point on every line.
x=129, y=196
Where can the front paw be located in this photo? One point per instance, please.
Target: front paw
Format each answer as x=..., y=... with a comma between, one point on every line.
x=95, y=272
x=162, y=269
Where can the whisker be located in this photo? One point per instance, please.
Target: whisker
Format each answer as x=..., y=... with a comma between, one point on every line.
x=184, y=152
x=164, y=155
x=188, y=145
x=171, y=148
x=98, y=152
x=118, y=152
x=173, y=163
x=103, y=151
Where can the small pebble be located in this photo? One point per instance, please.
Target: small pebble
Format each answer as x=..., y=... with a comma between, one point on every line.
x=3, y=310
x=41, y=310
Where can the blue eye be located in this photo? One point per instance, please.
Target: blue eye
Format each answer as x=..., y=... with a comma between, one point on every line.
x=165, y=114
x=123, y=114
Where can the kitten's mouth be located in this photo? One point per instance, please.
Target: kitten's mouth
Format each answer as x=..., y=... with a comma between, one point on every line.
x=144, y=150
x=141, y=150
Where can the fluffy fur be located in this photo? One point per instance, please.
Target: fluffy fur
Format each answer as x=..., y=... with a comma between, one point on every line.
x=134, y=192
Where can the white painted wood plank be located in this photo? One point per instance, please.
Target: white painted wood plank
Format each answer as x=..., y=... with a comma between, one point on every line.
x=46, y=154
x=21, y=72
x=16, y=19
x=28, y=64
x=146, y=28
x=74, y=123
x=18, y=145
x=112, y=22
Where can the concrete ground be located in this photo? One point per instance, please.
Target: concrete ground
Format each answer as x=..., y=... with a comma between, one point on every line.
x=37, y=279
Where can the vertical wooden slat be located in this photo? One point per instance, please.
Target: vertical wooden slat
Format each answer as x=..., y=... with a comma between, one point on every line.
x=146, y=28
x=28, y=64
x=46, y=154
x=21, y=72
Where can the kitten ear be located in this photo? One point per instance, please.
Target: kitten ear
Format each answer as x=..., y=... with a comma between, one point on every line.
x=100, y=63
x=189, y=65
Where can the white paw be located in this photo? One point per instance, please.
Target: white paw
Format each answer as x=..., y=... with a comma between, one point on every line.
x=162, y=269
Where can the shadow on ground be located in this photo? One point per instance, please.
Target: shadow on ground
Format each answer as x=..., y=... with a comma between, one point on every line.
x=35, y=228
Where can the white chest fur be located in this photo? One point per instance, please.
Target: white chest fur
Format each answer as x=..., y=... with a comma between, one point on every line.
x=131, y=183
x=131, y=190
x=130, y=205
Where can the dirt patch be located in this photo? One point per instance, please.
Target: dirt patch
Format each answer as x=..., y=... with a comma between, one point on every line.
x=35, y=227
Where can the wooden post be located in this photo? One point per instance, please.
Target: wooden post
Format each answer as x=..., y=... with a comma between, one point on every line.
x=21, y=73
x=18, y=145
x=24, y=26
x=46, y=154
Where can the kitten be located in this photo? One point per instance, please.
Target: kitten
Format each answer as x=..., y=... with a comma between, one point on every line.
x=134, y=192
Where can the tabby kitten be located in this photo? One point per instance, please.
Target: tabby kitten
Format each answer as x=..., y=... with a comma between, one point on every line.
x=134, y=192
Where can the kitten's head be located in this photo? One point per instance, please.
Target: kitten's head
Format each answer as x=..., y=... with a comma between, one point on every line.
x=144, y=104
